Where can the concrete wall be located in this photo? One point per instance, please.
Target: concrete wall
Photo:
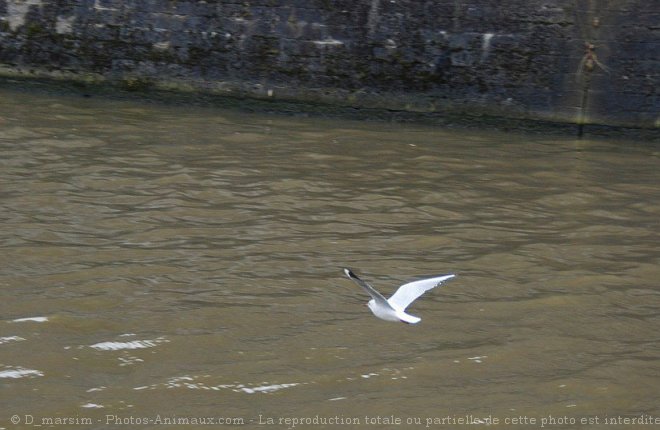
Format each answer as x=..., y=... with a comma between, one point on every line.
x=574, y=61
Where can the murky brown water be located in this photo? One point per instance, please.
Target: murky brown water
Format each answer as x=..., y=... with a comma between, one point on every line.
x=179, y=262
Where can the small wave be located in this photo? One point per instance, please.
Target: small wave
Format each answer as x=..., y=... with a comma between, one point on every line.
x=101, y=388
x=32, y=319
x=8, y=339
x=134, y=344
x=265, y=388
x=193, y=383
x=20, y=372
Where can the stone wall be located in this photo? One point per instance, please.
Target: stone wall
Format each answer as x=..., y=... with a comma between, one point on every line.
x=573, y=61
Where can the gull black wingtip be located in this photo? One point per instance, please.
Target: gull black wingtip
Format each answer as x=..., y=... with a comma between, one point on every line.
x=349, y=273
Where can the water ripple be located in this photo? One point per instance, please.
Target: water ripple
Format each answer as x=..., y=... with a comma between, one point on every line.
x=170, y=240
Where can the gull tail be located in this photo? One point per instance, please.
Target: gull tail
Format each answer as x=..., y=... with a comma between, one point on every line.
x=409, y=319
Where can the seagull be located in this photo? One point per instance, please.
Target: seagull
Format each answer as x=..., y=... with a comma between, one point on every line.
x=393, y=309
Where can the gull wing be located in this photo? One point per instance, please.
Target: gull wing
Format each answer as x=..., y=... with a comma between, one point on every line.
x=378, y=297
x=407, y=293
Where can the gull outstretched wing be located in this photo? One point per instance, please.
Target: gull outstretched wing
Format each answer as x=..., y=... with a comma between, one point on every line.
x=407, y=293
x=378, y=297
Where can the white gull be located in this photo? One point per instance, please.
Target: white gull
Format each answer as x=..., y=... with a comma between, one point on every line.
x=393, y=309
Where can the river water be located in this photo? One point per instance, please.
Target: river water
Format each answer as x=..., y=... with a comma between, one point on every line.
x=171, y=263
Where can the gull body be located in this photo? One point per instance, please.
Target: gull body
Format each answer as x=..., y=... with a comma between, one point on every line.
x=394, y=308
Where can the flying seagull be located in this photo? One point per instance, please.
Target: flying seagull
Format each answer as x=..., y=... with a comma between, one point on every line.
x=393, y=309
